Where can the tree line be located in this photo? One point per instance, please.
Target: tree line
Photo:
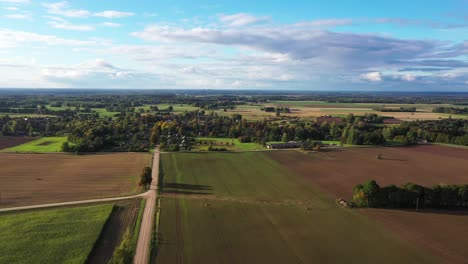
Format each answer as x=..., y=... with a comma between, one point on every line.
x=410, y=195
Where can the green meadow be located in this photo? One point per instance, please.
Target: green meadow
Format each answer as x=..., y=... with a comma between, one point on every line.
x=64, y=235
x=45, y=144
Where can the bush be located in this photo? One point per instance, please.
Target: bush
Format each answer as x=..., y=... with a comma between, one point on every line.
x=124, y=253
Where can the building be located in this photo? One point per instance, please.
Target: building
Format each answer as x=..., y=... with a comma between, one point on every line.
x=286, y=145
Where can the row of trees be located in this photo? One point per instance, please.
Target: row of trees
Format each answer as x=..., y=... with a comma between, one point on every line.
x=451, y=110
x=410, y=195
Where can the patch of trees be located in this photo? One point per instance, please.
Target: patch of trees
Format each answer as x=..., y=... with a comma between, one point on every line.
x=401, y=109
x=311, y=145
x=450, y=110
x=278, y=110
x=449, y=131
x=411, y=195
x=213, y=148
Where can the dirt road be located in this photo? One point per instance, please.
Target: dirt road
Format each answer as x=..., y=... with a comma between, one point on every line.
x=144, y=239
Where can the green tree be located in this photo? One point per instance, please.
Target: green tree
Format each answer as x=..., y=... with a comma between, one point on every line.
x=145, y=177
x=124, y=253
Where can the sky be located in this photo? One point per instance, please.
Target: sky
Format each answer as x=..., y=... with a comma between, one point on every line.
x=331, y=45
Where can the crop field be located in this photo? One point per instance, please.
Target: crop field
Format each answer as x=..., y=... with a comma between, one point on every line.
x=311, y=109
x=8, y=142
x=64, y=235
x=27, y=179
x=246, y=207
x=336, y=173
x=45, y=144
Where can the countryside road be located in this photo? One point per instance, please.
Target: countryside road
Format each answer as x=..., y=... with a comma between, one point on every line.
x=142, y=252
x=143, y=245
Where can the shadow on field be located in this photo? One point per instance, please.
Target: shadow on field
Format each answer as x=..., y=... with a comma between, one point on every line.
x=457, y=212
x=191, y=187
x=187, y=189
x=188, y=193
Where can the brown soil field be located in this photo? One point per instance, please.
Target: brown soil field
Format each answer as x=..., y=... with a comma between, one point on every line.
x=28, y=179
x=122, y=218
x=7, y=142
x=337, y=172
x=443, y=233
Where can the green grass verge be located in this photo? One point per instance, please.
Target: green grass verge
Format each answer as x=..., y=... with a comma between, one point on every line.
x=65, y=235
x=136, y=229
x=45, y=144
x=251, y=209
x=222, y=144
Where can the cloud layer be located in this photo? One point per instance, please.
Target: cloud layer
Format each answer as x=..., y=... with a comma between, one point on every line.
x=236, y=50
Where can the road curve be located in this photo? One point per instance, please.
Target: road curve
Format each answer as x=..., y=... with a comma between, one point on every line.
x=142, y=252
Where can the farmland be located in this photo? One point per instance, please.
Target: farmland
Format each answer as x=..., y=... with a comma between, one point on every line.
x=311, y=109
x=253, y=209
x=7, y=142
x=64, y=235
x=336, y=173
x=27, y=179
x=45, y=144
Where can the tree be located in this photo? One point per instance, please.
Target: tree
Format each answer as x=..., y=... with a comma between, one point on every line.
x=145, y=177
x=5, y=130
x=284, y=138
x=65, y=147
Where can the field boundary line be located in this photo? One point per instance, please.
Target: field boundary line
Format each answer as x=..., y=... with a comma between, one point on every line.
x=98, y=200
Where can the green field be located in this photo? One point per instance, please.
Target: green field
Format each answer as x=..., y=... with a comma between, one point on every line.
x=221, y=143
x=65, y=235
x=45, y=144
x=246, y=208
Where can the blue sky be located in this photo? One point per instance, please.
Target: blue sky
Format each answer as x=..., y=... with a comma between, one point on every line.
x=312, y=45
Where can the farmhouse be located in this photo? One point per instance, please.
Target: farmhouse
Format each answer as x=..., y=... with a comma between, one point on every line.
x=286, y=145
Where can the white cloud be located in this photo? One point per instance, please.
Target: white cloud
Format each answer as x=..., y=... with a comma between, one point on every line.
x=12, y=38
x=242, y=19
x=20, y=16
x=408, y=77
x=63, y=24
x=372, y=76
x=15, y=1
x=63, y=9
x=325, y=23
x=11, y=8
x=113, y=14
x=63, y=73
x=110, y=24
